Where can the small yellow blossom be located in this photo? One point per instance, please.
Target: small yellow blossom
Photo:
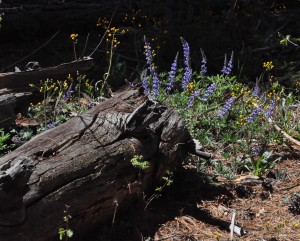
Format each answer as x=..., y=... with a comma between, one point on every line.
x=268, y=65
x=218, y=236
x=74, y=36
x=190, y=87
x=295, y=225
x=268, y=223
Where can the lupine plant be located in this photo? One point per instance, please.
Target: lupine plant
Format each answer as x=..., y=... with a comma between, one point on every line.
x=219, y=109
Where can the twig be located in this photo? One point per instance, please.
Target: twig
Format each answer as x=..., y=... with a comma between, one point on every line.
x=167, y=237
x=232, y=224
x=108, y=26
x=287, y=136
x=290, y=187
x=202, y=154
x=195, y=147
x=33, y=52
x=86, y=41
x=114, y=217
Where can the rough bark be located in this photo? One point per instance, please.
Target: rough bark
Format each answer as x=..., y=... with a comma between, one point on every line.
x=85, y=163
x=10, y=104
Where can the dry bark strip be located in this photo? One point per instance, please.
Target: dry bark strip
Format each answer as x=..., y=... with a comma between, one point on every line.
x=85, y=163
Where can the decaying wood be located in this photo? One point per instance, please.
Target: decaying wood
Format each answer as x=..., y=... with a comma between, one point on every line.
x=14, y=86
x=13, y=185
x=19, y=80
x=10, y=104
x=85, y=163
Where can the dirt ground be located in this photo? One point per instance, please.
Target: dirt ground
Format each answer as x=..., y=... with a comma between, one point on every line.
x=194, y=208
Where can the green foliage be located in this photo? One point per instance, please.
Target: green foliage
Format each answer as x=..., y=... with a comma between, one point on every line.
x=138, y=162
x=285, y=40
x=3, y=138
x=262, y=164
x=65, y=232
x=168, y=180
x=236, y=117
x=62, y=100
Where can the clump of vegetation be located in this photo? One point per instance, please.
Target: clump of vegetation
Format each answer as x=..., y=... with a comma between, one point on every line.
x=4, y=137
x=62, y=100
x=222, y=113
x=138, y=162
x=65, y=232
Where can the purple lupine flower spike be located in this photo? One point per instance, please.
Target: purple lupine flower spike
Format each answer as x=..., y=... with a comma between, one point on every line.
x=172, y=74
x=192, y=98
x=209, y=91
x=203, y=63
x=224, y=69
x=151, y=68
x=271, y=109
x=256, y=91
x=67, y=95
x=148, y=53
x=253, y=115
x=227, y=67
x=230, y=64
x=187, y=69
x=145, y=85
x=224, y=112
x=155, y=86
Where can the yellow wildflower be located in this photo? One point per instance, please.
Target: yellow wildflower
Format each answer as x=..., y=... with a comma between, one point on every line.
x=218, y=236
x=74, y=36
x=190, y=86
x=268, y=224
x=268, y=65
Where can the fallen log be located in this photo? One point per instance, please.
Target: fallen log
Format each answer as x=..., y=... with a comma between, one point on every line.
x=15, y=93
x=20, y=80
x=85, y=164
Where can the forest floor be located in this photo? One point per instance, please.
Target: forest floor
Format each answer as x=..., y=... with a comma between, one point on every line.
x=197, y=208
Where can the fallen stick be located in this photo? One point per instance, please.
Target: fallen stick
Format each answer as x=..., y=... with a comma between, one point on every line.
x=286, y=135
x=232, y=226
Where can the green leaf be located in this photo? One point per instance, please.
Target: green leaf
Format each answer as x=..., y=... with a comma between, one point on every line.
x=70, y=233
x=61, y=232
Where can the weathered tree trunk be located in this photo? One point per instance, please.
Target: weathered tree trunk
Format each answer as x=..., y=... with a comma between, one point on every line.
x=85, y=163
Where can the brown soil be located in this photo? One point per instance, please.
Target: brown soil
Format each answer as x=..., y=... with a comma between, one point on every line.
x=194, y=208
